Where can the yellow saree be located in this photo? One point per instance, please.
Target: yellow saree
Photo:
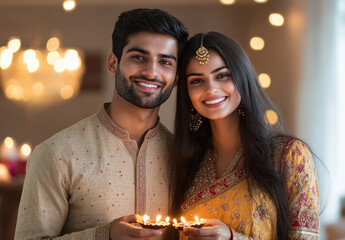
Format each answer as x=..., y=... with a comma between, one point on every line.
x=252, y=215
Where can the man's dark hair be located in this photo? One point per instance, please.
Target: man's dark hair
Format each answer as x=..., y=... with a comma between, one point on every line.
x=150, y=20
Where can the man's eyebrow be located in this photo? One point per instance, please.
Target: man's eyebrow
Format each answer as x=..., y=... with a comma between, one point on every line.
x=136, y=49
x=200, y=74
x=168, y=56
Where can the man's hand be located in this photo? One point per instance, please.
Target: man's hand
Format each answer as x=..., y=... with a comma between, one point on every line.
x=122, y=229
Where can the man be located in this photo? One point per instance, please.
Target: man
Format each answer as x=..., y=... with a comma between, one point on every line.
x=111, y=164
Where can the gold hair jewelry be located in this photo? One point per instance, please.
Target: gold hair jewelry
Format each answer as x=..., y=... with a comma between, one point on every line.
x=202, y=53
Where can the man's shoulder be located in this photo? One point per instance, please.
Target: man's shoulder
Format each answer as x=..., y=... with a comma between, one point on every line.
x=77, y=130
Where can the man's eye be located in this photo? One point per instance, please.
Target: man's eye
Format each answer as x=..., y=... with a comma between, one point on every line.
x=165, y=62
x=137, y=57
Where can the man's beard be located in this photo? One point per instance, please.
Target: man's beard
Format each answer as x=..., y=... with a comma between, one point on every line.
x=126, y=89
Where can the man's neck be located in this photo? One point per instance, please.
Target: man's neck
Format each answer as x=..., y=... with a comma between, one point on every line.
x=137, y=121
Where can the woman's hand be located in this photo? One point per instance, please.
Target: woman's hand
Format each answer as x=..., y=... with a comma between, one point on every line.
x=213, y=230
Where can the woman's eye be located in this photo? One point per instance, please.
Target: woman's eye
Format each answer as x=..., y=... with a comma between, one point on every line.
x=195, y=81
x=223, y=75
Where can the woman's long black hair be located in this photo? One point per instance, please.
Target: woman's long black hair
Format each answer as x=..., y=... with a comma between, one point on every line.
x=256, y=134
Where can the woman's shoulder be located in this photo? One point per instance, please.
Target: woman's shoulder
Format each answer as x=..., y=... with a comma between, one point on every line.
x=286, y=148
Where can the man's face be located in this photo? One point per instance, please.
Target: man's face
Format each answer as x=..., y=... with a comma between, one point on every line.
x=146, y=73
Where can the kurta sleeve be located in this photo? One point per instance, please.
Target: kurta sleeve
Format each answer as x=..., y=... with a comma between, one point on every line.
x=302, y=191
x=44, y=202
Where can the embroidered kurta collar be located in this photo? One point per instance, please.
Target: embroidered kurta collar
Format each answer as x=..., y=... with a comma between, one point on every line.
x=118, y=131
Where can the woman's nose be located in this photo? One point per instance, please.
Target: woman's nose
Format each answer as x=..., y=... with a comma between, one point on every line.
x=211, y=87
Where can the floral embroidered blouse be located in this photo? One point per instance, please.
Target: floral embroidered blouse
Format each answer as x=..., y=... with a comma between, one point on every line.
x=253, y=216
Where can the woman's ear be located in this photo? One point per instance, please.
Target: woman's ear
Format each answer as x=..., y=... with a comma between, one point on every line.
x=112, y=63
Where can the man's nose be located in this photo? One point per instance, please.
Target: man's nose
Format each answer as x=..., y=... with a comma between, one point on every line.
x=151, y=70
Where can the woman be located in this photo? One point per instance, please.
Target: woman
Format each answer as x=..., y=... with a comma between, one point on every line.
x=247, y=178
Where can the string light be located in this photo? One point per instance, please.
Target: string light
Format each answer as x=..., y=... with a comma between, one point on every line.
x=69, y=5
x=264, y=80
x=276, y=19
x=272, y=117
x=257, y=43
x=227, y=2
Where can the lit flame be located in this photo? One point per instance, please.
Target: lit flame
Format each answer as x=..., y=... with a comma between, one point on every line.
x=158, y=218
x=183, y=220
x=167, y=220
x=197, y=219
x=174, y=221
x=146, y=218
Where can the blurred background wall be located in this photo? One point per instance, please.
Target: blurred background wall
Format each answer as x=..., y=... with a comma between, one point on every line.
x=299, y=57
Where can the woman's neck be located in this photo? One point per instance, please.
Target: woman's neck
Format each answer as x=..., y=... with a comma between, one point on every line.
x=226, y=133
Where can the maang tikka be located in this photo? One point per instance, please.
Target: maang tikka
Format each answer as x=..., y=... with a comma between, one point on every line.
x=202, y=53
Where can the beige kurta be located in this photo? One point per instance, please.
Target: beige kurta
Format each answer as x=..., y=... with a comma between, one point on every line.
x=90, y=174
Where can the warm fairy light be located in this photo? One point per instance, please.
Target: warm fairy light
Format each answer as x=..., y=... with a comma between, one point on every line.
x=52, y=57
x=69, y=5
x=272, y=117
x=257, y=43
x=60, y=65
x=264, y=80
x=29, y=55
x=276, y=19
x=72, y=60
x=66, y=92
x=25, y=149
x=14, y=44
x=33, y=65
x=227, y=2
x=260, y=1
x=4, y=173
x=53, y=44
x=6, y=58
x=9, y=142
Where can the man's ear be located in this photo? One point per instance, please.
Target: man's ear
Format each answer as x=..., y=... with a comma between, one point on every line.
x=176, y=80
x=112, y=63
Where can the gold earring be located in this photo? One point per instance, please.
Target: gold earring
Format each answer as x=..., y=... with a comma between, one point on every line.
x=194, y=120
x=241, y=110
x=202, y=53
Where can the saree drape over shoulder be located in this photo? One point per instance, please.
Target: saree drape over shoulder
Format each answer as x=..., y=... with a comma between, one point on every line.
x=251, y=214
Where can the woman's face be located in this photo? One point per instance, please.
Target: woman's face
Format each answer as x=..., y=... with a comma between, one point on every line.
x=211, y=89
